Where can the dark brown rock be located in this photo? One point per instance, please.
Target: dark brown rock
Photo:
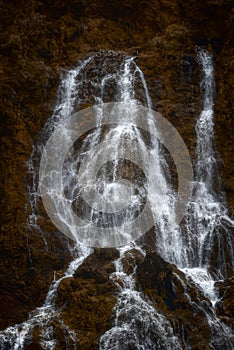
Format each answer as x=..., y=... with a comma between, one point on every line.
x=98, y=265
x=225, y=306
x=178, y=300
x=87, y=300
x=131, y=259
x=155, y=273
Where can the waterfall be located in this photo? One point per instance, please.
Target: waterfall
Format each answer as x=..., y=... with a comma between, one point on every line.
x=209, y=224
x=111, y=77
x=136, y=319
x=209, y=228
x=72, y=92
x=18, y=336
x=65, y=104
x=206, y=166
x=176, y=246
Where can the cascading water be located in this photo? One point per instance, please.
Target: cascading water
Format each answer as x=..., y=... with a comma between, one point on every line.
x=18, y=336
x=172, y=245
x=136, y=318
x=208, y=226
x=72, y=94
x=209, y=217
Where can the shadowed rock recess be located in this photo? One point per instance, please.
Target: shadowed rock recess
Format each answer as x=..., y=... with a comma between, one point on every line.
x=40, y=42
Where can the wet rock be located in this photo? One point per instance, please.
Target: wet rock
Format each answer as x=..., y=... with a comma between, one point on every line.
x=225, y=305
x=176, y=298
x=98, y=265
x=223, y=241
x=131, y=260
x=156, y=274
x=88, y=298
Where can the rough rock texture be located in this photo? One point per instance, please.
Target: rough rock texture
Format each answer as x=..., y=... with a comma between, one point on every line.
x=225, y=305
x=87, y=299
x=39, y=39
x=177, y=299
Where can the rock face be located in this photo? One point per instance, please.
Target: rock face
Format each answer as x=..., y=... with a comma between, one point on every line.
x=39, y=40
x=225, y=306
x=87, y=299
x=174, y=297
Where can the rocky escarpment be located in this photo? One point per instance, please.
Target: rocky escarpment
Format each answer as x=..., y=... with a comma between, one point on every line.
x=178, y=299
x=86, y=300
x=39, y=40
